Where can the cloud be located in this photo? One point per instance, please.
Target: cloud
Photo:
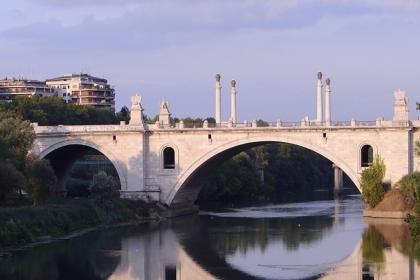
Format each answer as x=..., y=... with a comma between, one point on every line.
x=274, y=48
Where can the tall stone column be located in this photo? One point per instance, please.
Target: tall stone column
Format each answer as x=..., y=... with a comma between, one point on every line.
x=328, y=102
x=233, y=102
x=319, y=99
x=338, y=179
x=218, y=109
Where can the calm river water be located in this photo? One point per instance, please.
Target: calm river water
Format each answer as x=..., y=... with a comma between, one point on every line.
x=311, y=240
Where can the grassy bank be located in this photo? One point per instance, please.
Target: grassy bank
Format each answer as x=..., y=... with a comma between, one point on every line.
x=23, y=225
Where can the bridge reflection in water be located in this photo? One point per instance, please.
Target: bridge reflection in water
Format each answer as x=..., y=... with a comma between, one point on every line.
x=315, y=240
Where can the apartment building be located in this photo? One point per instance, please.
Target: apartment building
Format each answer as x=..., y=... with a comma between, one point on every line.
x=84, y=89
x=10, y=88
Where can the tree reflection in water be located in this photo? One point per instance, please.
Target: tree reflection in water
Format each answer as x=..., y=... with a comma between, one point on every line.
x=229, y=235
x=92, y=256
x=201, y=246
x=379, y=240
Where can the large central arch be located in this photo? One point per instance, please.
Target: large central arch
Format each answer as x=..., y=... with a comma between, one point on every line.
x=236, y=146
x=80, y=142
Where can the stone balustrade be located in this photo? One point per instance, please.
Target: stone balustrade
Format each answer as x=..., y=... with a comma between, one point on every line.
x=380, y=122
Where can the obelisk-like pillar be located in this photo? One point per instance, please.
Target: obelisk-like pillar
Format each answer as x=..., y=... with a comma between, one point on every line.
x=218, y=109
x=328, y=102
x=233, y=101
x=319, y=99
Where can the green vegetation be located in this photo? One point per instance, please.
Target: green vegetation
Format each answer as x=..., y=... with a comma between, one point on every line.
x=16, y=137
x=42, y=180
x=410, y=186
x=53, y=110
x=373, y=244
x=372, y=182
x=268, y=172
x=21, y=223
x=19, y=226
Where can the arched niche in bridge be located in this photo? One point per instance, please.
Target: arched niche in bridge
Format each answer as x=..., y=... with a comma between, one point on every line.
x=184, y=190
x=366, y=156
x=168, y=155
x=86, y=159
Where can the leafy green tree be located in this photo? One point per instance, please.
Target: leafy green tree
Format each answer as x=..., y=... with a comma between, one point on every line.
x=371, y=182
x=16, y=137
x=410, y=185
x=41, y=180
x=52, y=110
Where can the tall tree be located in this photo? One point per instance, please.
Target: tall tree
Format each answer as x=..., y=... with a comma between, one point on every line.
x=41, y=180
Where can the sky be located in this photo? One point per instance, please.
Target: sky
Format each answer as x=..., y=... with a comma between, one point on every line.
x=172, y=49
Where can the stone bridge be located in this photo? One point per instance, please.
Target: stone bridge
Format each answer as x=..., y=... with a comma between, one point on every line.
x=167, y=161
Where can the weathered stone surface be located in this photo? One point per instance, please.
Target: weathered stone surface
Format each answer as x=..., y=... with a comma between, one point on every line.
x=137, y=156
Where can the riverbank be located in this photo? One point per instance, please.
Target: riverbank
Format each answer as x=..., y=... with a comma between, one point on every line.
x=21, y=226
x=393, y=206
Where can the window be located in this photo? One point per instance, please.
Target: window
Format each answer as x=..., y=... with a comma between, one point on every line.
x=168, y=158
x=366, y=156
x=170, y=273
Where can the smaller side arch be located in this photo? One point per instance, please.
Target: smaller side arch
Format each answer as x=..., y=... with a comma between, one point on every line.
x=168, y=158
x=171, y=166
x=112, y=158
x=366, y=154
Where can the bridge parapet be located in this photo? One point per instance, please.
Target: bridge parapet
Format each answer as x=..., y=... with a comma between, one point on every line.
x=63, y=129
x=84, y=128
x=285, y=125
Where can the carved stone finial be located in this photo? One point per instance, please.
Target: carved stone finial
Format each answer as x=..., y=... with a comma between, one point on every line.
x=328, y=82
x=319, y=75
x=233, y=83
x=135, y=100
x=218, y=77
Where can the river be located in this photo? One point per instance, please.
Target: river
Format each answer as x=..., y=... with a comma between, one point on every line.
x=326, y=239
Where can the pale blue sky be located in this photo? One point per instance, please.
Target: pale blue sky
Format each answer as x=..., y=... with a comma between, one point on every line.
x=273, y=48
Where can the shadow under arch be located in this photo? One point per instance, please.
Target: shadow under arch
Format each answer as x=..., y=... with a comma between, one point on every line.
x=82, y=146
x=185, y=191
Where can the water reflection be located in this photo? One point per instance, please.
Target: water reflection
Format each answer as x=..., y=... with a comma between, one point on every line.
x=315, y=240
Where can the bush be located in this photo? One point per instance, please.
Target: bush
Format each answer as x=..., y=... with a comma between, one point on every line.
x=371, y=182
x=410, y=185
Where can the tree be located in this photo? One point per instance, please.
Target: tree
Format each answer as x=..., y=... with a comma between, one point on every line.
x=52, y=110
x=371, y=182
x=104, y=187
x=10, y=179
x=16, y=138
x=123, y=114
x=41, y=180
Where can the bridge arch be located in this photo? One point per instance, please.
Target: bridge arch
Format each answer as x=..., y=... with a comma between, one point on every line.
x=236, y=146
x=86, y=143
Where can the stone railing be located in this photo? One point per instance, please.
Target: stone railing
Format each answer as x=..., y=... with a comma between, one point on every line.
x=304, y=124
x=85, y=128
x=286, y=125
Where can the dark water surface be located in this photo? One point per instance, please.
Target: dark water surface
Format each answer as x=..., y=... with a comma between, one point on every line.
x=310, y=240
